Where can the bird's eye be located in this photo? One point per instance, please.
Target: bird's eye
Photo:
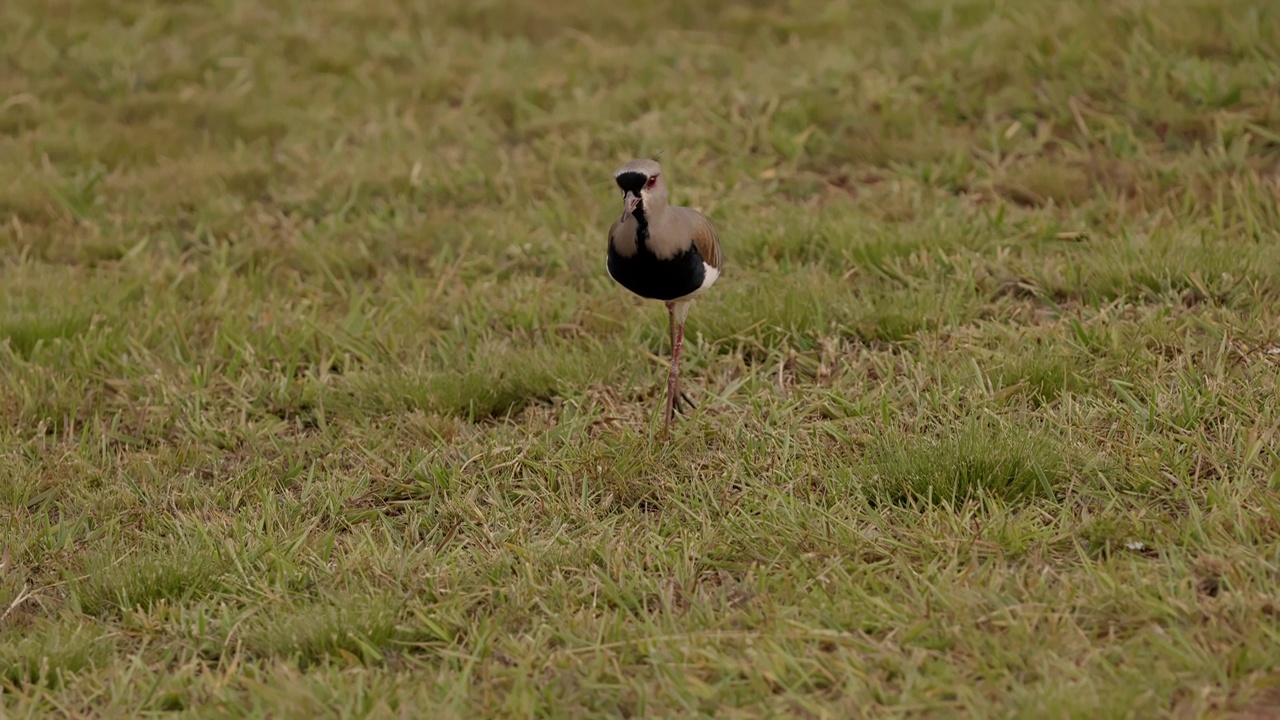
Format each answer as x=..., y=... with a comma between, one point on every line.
x=653, y=180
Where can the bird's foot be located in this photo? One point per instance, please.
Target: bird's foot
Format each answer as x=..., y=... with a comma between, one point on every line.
x=683, y=403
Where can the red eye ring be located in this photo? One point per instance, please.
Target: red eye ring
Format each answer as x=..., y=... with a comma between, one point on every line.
x=653, y=180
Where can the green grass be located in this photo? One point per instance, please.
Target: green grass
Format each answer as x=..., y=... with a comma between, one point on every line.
x=316, y=400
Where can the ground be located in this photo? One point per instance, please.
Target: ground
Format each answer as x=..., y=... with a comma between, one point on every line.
x=316, y=399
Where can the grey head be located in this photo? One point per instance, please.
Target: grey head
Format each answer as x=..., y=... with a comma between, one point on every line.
x=642, y=186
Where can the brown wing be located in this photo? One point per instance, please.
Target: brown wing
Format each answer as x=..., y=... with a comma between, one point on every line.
x=706, y=240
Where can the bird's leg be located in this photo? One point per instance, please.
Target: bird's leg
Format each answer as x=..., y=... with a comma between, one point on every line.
x=671, y=325
x=681, y=398
x=673, y=378
x=667, y=411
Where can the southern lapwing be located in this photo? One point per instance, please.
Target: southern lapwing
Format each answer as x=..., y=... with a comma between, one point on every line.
x=662, y=252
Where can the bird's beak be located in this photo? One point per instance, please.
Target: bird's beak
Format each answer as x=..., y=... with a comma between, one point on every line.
x=629, y=203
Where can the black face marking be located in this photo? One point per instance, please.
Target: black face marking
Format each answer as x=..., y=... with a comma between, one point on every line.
x=632, y=181
x=647, y=276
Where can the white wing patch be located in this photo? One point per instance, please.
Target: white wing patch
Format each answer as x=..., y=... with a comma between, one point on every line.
x=709, y=278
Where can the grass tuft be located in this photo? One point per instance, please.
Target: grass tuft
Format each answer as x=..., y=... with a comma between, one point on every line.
x=114, y=585
x=989, y=460
x=51, y=655
x=25, y=333
x=341, y=631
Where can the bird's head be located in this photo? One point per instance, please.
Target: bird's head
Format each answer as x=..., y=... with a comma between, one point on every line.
x=642, y=186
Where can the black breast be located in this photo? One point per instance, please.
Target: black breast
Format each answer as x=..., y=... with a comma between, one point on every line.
x=649, y=277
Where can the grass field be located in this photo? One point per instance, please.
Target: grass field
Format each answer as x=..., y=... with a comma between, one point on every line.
x=316, y=400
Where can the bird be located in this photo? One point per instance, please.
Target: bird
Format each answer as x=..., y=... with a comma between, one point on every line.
x=665, y=252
